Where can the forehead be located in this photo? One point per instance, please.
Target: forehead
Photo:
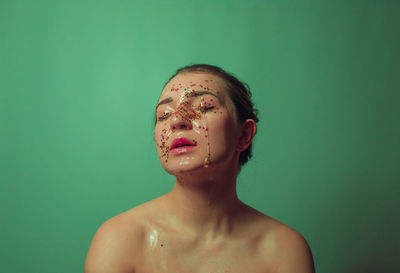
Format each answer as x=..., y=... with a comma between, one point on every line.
x=193, y=81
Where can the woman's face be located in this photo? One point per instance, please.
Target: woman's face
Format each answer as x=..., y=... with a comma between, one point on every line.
x=196, y=124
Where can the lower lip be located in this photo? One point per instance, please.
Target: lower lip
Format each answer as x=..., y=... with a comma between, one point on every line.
x=181, y=150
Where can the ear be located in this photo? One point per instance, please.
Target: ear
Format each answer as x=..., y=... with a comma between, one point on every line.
x=247, y=133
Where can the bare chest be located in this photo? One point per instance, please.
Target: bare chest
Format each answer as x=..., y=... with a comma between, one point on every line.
x=180, y=256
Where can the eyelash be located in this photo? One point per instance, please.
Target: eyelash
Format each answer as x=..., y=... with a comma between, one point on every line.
x=166, y=115
x=206, y=108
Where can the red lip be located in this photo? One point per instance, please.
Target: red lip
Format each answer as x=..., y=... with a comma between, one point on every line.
x=181, y=142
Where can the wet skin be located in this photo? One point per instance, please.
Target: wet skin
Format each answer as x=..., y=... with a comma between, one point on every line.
x=200, y=226
x=194, y=107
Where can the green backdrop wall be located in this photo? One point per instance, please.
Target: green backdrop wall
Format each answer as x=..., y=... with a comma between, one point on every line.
x=79, y=81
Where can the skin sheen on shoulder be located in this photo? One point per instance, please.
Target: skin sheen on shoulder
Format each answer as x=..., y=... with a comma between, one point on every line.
x=288, y=251
x=115, y=246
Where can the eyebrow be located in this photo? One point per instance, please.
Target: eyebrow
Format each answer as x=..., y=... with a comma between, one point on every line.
x=164, y=101
x=196, y=94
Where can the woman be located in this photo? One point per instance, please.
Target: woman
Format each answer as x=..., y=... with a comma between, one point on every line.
x=205, y=124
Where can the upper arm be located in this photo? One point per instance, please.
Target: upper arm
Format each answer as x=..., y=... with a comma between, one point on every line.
x=293, y=254
x=110, y=250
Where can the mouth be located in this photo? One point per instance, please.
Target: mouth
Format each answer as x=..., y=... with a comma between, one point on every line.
x=181, y=145
x=181, y=142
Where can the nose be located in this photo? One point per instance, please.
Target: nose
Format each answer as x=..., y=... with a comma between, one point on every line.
x=180, y=121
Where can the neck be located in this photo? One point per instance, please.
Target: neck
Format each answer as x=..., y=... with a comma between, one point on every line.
x=206, y=205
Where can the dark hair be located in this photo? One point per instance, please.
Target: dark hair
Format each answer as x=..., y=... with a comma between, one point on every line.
x=239, y=93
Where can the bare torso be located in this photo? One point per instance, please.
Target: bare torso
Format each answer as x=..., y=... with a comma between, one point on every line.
x=147, y=239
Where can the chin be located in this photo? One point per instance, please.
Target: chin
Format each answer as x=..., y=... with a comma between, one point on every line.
x=182, y=167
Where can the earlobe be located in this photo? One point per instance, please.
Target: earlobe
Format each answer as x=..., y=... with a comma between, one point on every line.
x=248, y=131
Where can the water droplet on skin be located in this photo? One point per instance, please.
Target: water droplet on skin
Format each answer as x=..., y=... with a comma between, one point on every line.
x=205, y=162
x=153, y=238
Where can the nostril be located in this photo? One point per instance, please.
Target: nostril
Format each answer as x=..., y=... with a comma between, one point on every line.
x=182, y=125
x=180, y=122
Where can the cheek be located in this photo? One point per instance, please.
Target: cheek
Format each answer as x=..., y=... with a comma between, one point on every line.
x=161, y=137
x=223, y=132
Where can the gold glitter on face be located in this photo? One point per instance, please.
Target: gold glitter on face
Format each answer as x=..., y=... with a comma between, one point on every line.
x=184, y=110
x=189, y=113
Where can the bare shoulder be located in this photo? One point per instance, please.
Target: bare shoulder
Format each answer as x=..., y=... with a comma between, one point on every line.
x=117, y=243
x=284, y=248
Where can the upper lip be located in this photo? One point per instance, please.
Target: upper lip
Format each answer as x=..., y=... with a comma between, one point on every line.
x=181, y=142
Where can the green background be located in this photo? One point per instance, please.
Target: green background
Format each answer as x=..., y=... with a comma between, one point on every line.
x=79, y=81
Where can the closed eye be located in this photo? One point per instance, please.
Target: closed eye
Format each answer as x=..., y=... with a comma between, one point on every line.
x=204, y=109
x=164, y=116
x=168, y=114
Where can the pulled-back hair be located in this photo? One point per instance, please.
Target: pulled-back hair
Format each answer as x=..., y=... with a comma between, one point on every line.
x=239, y=93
